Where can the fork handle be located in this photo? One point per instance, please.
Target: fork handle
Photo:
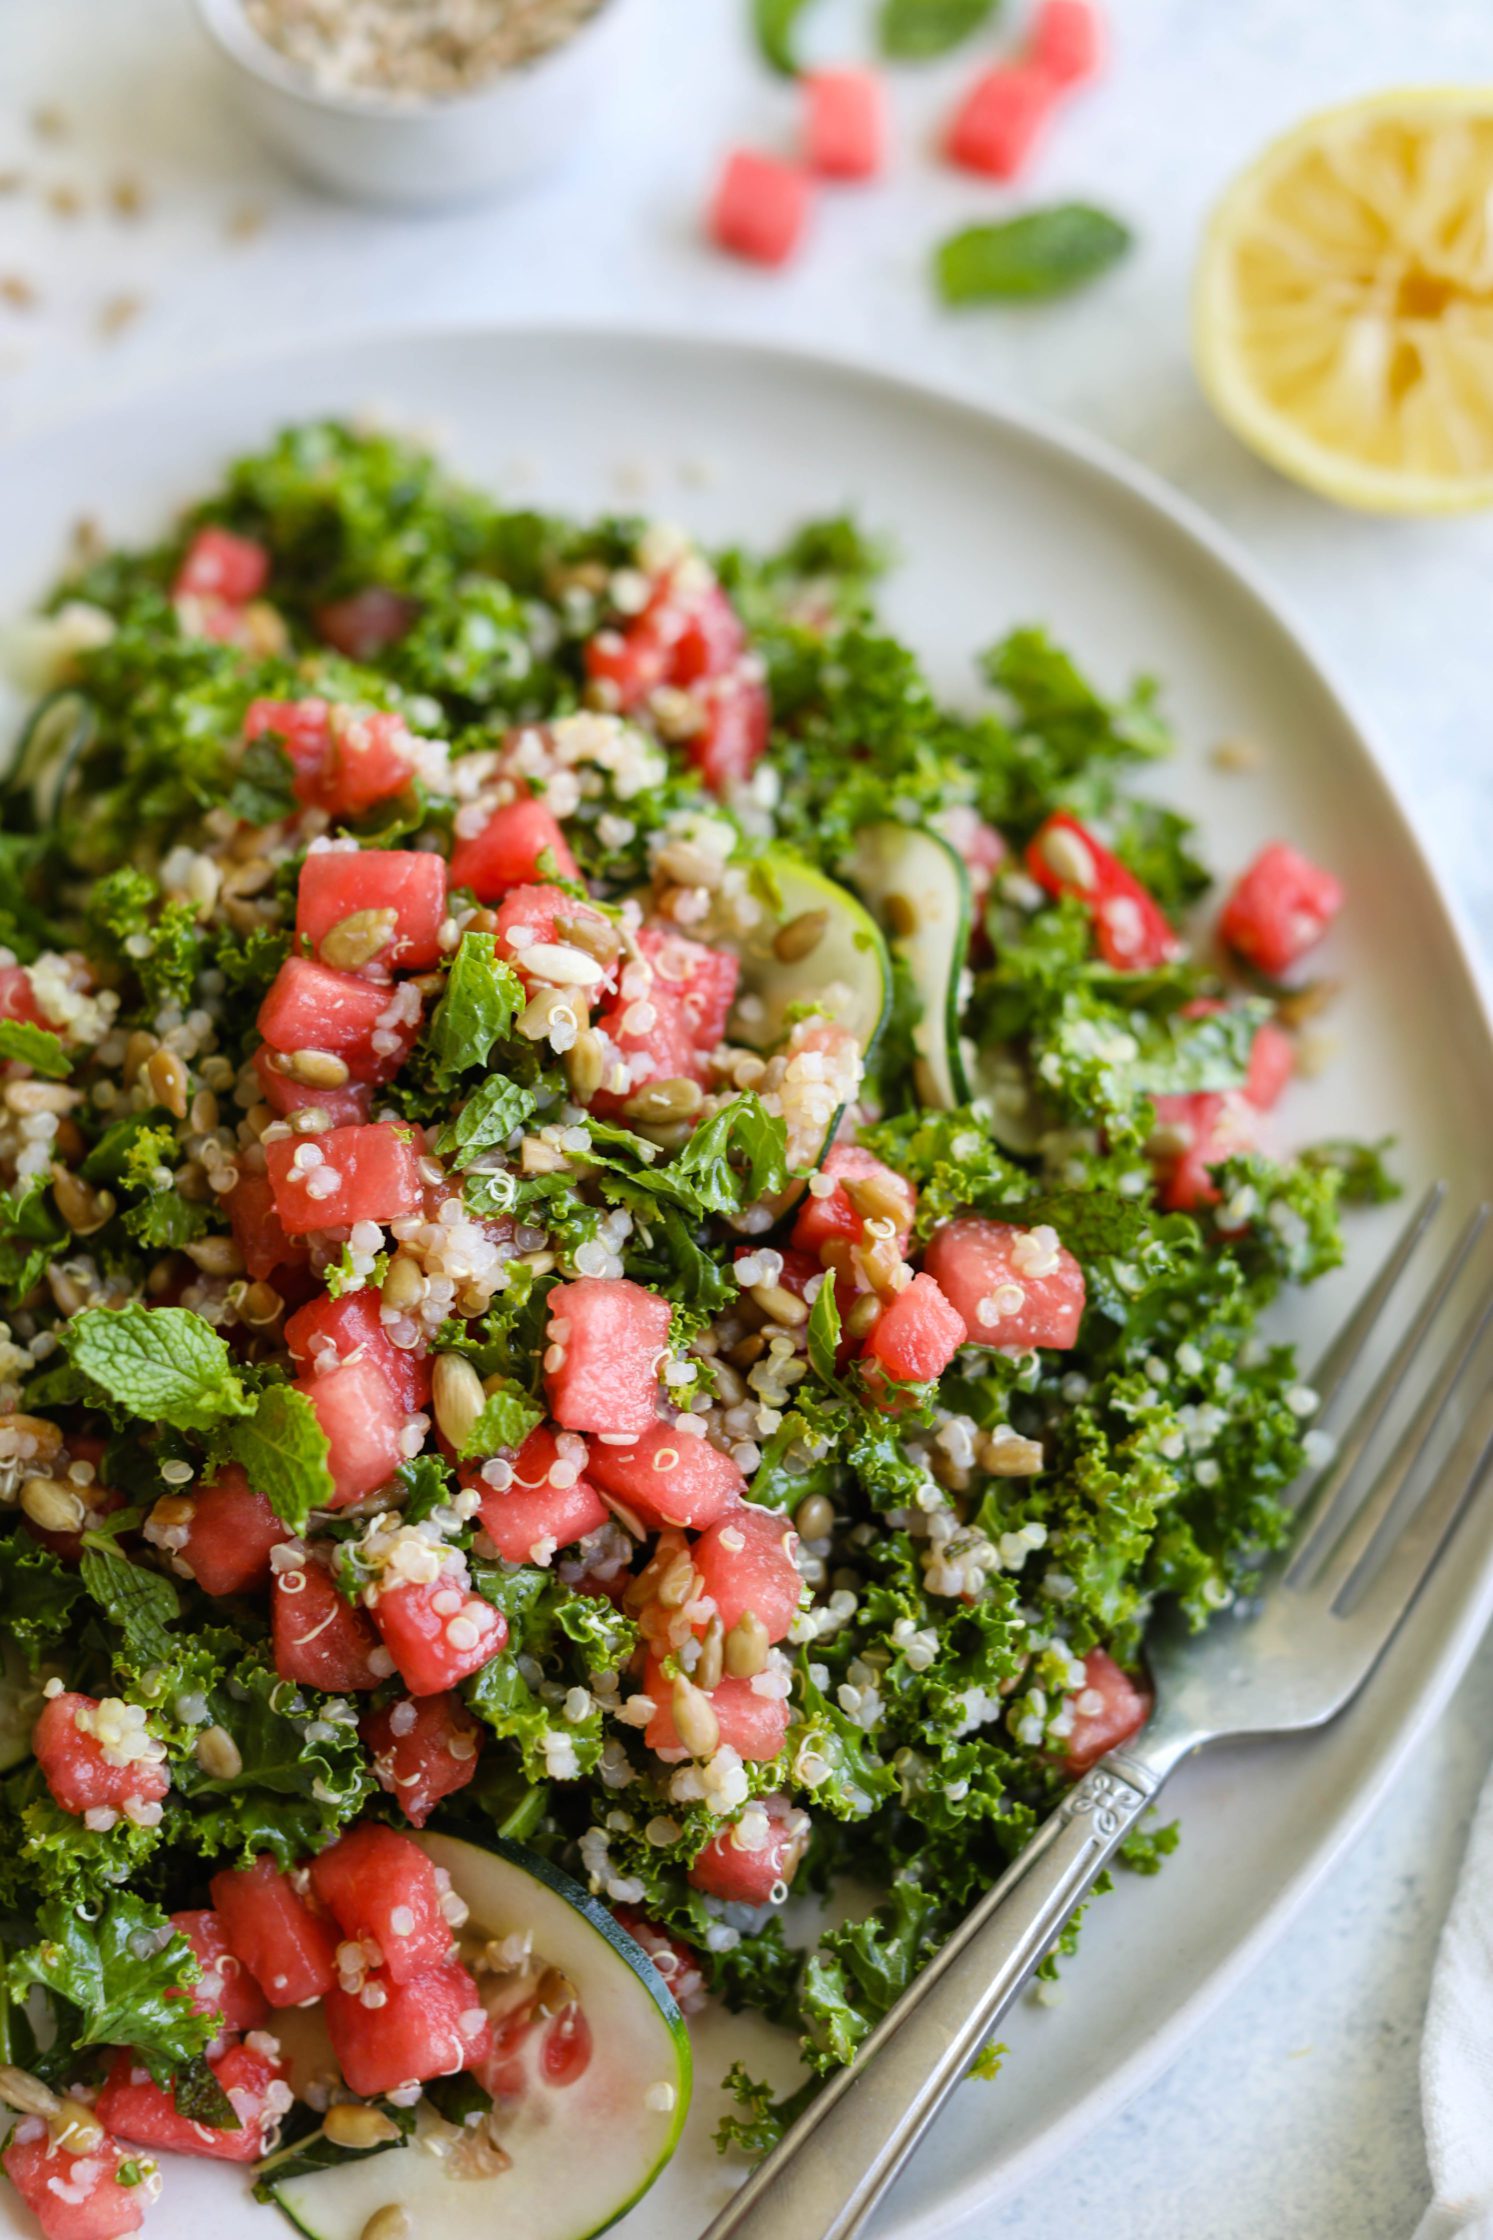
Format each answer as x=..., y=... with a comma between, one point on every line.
x=867, y=2121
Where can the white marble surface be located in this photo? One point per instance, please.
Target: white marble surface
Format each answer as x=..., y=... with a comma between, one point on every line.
x=1294, y=2115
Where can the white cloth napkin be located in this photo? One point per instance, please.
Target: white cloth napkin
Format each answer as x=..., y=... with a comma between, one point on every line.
x=1456, y=2061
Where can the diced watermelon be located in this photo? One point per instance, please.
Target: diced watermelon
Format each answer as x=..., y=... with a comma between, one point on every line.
x=18, y=997
x=746, y=1562
x=366, y=622
x=821, y=1219
x=980, y=1265
x=365, y=1173
x=432, y=2026
x=664, y=1050
x=135, y=2108
x=701, y=980
x=844, y=123
x=289, y=1950
x=422, y=1750
x=607, y=1338
x=219, y=565
x=761, y=207
x=752, y=1725
x=1000, y=120
x=667, y=1475
x=740, y=1867
x=229, y=1535
x=75, y=2197
x=1122, y=1709
x=675, y=1961
x=530, y=917
x=370, y=1027
x=226, y=1989
x=1196, y=1133
x=1272, y=1061
x=320, y=1639
x=336, y=883
x=918, y=1335
x=363, y=1417
x=258, y=1231
x=507, y=851
x=378, y=1883
x=705, y=631
x=438, y=1631
x=1067, y=40
x=1130, y=927
x=346, y=1107
x=345, y=759
x=733, y=740
x=334, y=1329
x=545, y=1500
x=83, y=1746
x=1280, y=908
x=630, y=663
x=981, y=847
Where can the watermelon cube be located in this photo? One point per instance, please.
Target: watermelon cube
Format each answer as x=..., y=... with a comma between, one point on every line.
x=1109, y=1709
x=607, y=1340
x=228, y=1536
x=379, y=1884
x=134, y=2107
x=365, y=1173
x=76, y=2197
x=702, y=981
x=734, y=736
x=1011, y=1287
x=98, y=1756
x=340, y=883
x=752, y=1725
x=258, y=1231
x=1000, y=120
x=364, y=623
x=289, y=1950
x=320, y=1639
x=342, y=1108
x=746, y=1562
x=544, y=1503
x=507, y=852
x=370, y=1027
x=844, y=123
x=1280, y=908
x=364, y=1419
x=749, y=1863
x=431, y=2026
x=422, y=1751
x=668, y=1475
x=326, y=1331
x=219, y=565
x=344, y=759
x=438, y=1631
x=1067, y=40
x=834, y=1217
x=760, y=208
x=918, y=1335
x=226, y=1988
x=18, y=997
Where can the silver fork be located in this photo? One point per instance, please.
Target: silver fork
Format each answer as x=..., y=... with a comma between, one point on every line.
x=1325, y=1610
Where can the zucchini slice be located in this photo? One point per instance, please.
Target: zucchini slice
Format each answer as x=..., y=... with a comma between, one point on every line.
x=818, y=945
x=49, y=751
x=582, y=2152
x=919, y=889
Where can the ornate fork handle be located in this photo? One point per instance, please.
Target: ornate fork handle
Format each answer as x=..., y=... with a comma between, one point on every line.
x=825, y=2178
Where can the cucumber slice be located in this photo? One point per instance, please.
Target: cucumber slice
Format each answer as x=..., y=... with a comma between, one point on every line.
x=582, y=2153
x=49, y=751
x=819, y=945
x=919, y=889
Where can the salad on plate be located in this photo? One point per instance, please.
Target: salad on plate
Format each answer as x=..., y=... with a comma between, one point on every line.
x=630, y=1254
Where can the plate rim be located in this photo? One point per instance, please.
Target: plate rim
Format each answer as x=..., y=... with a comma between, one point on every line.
x=1133, y=480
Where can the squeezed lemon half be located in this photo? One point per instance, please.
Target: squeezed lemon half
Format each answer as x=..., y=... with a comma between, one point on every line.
x=1343, y=316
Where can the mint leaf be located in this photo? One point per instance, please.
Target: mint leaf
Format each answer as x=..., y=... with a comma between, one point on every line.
x=34, y=1046
x=264, y=790
x=483, y=997
x=824, y=1330
x=164, y=1364
x=506, y=1421
x=201, y=2099
x=1028, y=259
x=123, y=1973
x=774, y=22
x=486, y=1120
x=917, y=30
x=283, y=1451
x=139, y=1602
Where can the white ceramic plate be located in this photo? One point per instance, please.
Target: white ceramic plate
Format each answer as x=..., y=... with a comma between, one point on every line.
x=998, y=519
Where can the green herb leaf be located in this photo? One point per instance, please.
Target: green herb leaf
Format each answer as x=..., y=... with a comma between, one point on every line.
x=163, y=1364
x=919, y=30
x=774, y=22
x=34, y=1046
x=824, y=1330
x=141, y=1603
x=1028, y=259
x=506, y=1421
x=283, y=1451
x=486, y=1120
x=263, y=791
x=482, y=998
x=124, y=1973
x=201, y=2099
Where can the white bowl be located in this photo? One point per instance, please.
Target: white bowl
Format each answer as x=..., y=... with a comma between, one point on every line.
x=425, y=152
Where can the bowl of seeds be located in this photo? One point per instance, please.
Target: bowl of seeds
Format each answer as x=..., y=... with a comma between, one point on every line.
x=419, y=103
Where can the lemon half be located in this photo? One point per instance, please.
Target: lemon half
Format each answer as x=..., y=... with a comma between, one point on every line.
x=1343, y=317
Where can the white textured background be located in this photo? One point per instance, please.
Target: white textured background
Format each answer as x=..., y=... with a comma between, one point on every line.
x=1294, y=2115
